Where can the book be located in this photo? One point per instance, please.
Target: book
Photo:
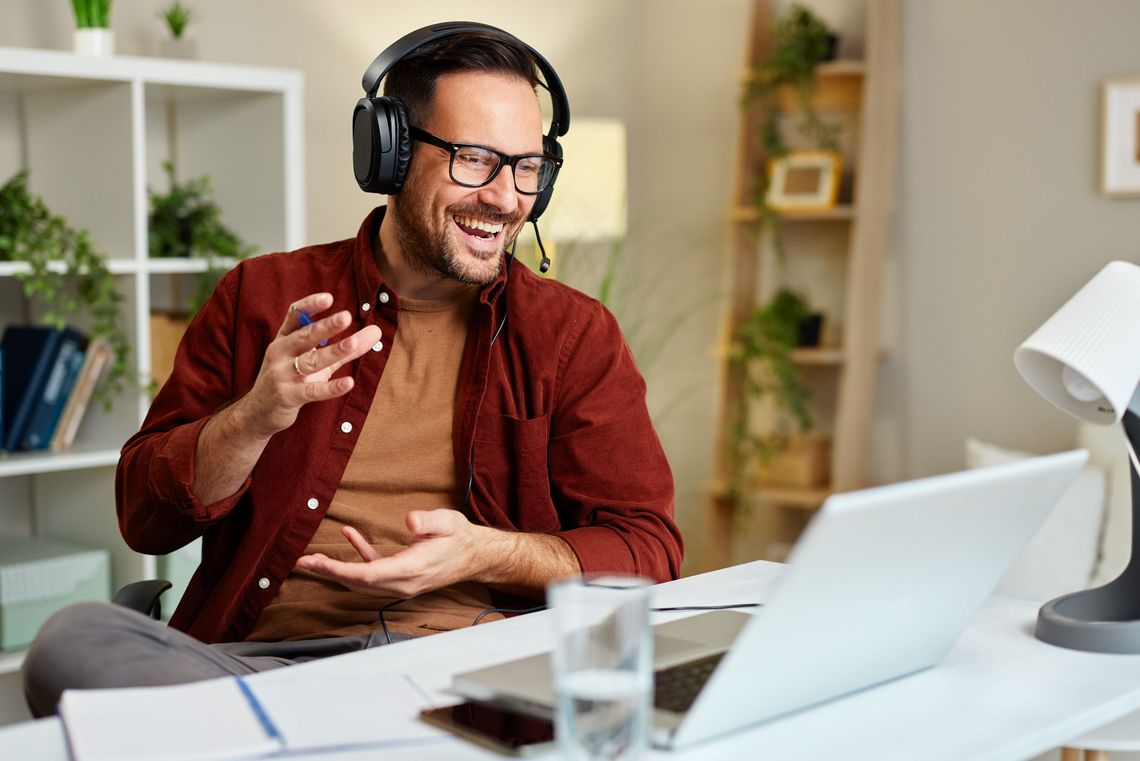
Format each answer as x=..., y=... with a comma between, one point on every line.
x=46, y=411
x=94, y=360
x=29, y=351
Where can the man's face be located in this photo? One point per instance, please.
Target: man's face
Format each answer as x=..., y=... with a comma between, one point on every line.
x=456, y=231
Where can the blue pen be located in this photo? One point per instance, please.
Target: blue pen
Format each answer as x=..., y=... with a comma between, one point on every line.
x=307, y=320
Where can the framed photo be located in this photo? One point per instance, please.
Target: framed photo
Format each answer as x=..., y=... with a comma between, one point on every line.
x=1120, y=139
x=804, y=181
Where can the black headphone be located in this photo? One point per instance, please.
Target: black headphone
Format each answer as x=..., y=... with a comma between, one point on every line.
x=381, y=143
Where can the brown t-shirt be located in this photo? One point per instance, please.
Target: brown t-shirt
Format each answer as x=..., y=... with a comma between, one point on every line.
x=402, y=462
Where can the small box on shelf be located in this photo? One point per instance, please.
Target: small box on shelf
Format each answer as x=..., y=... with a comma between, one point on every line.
x=40, y=576
x=166, y=329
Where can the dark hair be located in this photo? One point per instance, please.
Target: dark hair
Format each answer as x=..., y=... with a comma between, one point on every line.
x=413, y=78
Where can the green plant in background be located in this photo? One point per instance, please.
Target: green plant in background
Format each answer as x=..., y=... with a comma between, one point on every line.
x=187, y=222
x=30, y=233
x=177, y=17
x=762, y=351
x=92, y=14
x=801, y=42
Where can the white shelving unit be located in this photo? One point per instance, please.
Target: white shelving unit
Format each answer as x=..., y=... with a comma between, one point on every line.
x=94, y=134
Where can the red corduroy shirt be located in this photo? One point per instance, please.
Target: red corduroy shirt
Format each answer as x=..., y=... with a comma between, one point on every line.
x=550, y=419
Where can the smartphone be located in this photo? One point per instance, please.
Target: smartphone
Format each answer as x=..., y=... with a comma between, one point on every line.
x=509, y=732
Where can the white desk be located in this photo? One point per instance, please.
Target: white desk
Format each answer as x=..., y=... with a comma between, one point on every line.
x=998, y=695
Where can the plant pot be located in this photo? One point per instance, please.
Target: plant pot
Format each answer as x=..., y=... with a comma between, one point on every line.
x=832, y=48
x=804, y=461
x=96, y=41
x=181, y=48
x=810, y=329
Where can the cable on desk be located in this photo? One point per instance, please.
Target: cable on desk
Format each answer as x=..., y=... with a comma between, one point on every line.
x=489, y=611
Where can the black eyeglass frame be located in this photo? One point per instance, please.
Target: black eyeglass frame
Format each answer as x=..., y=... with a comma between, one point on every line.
x=504, y=160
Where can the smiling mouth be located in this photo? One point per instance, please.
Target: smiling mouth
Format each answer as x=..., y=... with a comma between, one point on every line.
x=478, y=228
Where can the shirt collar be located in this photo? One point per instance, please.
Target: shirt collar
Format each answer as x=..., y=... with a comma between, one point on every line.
x=369, y=281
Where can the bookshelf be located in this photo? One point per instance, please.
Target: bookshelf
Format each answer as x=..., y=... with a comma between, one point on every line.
x=835, y=256
x=93, y=134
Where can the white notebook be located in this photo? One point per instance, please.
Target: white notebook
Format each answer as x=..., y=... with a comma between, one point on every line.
x=240, y=717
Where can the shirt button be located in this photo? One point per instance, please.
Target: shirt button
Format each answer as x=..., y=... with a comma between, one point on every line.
x=312, y=503
x=365, y=307
x=263, y=583
x=378, y=346
x=346, y=427
x=383, y=297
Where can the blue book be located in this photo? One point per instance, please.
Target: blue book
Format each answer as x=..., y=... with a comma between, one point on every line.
x=29, y=353
x=68, y=360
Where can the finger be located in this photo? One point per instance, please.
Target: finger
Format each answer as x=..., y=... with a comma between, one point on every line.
x=428, y=523
x=374, y=573
x=311, y=305
x=359, y=543
x=319, y=391
x=317, y=332
x=340, y=353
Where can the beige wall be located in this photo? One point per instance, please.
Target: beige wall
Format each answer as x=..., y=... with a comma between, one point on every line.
x=998, y=215
x=999, y=219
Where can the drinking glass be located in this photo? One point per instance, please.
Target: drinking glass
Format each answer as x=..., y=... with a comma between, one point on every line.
x=602, y=664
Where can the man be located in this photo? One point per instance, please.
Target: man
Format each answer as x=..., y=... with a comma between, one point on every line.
x=469, y=433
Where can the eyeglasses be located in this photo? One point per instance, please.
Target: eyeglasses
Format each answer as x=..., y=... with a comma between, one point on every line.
x=474, y=166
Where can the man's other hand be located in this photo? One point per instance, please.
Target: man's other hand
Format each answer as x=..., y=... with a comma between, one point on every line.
x=446, y=549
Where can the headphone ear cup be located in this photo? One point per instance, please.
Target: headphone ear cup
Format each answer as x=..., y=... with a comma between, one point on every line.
x=551, y=146
x=381, y=145
x=403, y=144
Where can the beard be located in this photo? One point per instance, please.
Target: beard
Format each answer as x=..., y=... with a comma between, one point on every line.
x=428, y=247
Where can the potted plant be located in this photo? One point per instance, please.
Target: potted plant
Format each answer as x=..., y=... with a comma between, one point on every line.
x=30, y=233
x=801, y=42
x=177, y=17
x=93, y=27
x=186, y=222
x=762, y=352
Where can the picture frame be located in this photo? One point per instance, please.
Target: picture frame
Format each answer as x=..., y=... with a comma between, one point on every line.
x=804, y=181
x=1120, y=137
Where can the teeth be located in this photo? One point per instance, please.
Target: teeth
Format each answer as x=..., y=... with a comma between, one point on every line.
x=479, y=224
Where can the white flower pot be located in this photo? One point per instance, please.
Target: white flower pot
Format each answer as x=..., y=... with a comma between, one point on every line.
x=98, y=41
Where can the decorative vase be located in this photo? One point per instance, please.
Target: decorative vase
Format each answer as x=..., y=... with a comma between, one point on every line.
x=99, y=41
x=178, y=47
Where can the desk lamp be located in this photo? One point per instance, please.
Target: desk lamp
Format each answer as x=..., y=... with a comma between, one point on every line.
x=1085, y=359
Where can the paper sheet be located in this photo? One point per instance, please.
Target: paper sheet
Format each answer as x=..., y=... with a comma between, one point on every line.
x=313, y=712
x=188, y=722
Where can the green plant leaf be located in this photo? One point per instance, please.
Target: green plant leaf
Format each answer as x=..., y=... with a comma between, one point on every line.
x=30, y=233
x=187, y=222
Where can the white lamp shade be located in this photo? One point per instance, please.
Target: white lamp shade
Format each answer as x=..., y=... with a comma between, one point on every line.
x=1085, y=359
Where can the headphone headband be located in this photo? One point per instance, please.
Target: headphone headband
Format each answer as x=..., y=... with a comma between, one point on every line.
x=560, y=119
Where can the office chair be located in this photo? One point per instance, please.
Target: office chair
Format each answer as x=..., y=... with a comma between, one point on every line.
x=143, y=596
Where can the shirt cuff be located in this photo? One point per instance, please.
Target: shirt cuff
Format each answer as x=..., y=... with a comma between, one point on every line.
x=601, y=549
x=172, y=476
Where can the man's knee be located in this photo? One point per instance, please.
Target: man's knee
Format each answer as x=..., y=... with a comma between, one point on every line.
x=66, y=653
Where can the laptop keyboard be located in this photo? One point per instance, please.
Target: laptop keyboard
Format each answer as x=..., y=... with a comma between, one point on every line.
x=675, y=688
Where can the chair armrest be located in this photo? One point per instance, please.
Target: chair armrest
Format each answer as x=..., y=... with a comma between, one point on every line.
x=143, y=596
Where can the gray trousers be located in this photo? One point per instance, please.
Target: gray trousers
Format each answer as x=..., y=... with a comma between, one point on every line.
x=97, y=645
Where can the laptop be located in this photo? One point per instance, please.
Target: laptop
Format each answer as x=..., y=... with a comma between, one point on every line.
x=880, y=585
